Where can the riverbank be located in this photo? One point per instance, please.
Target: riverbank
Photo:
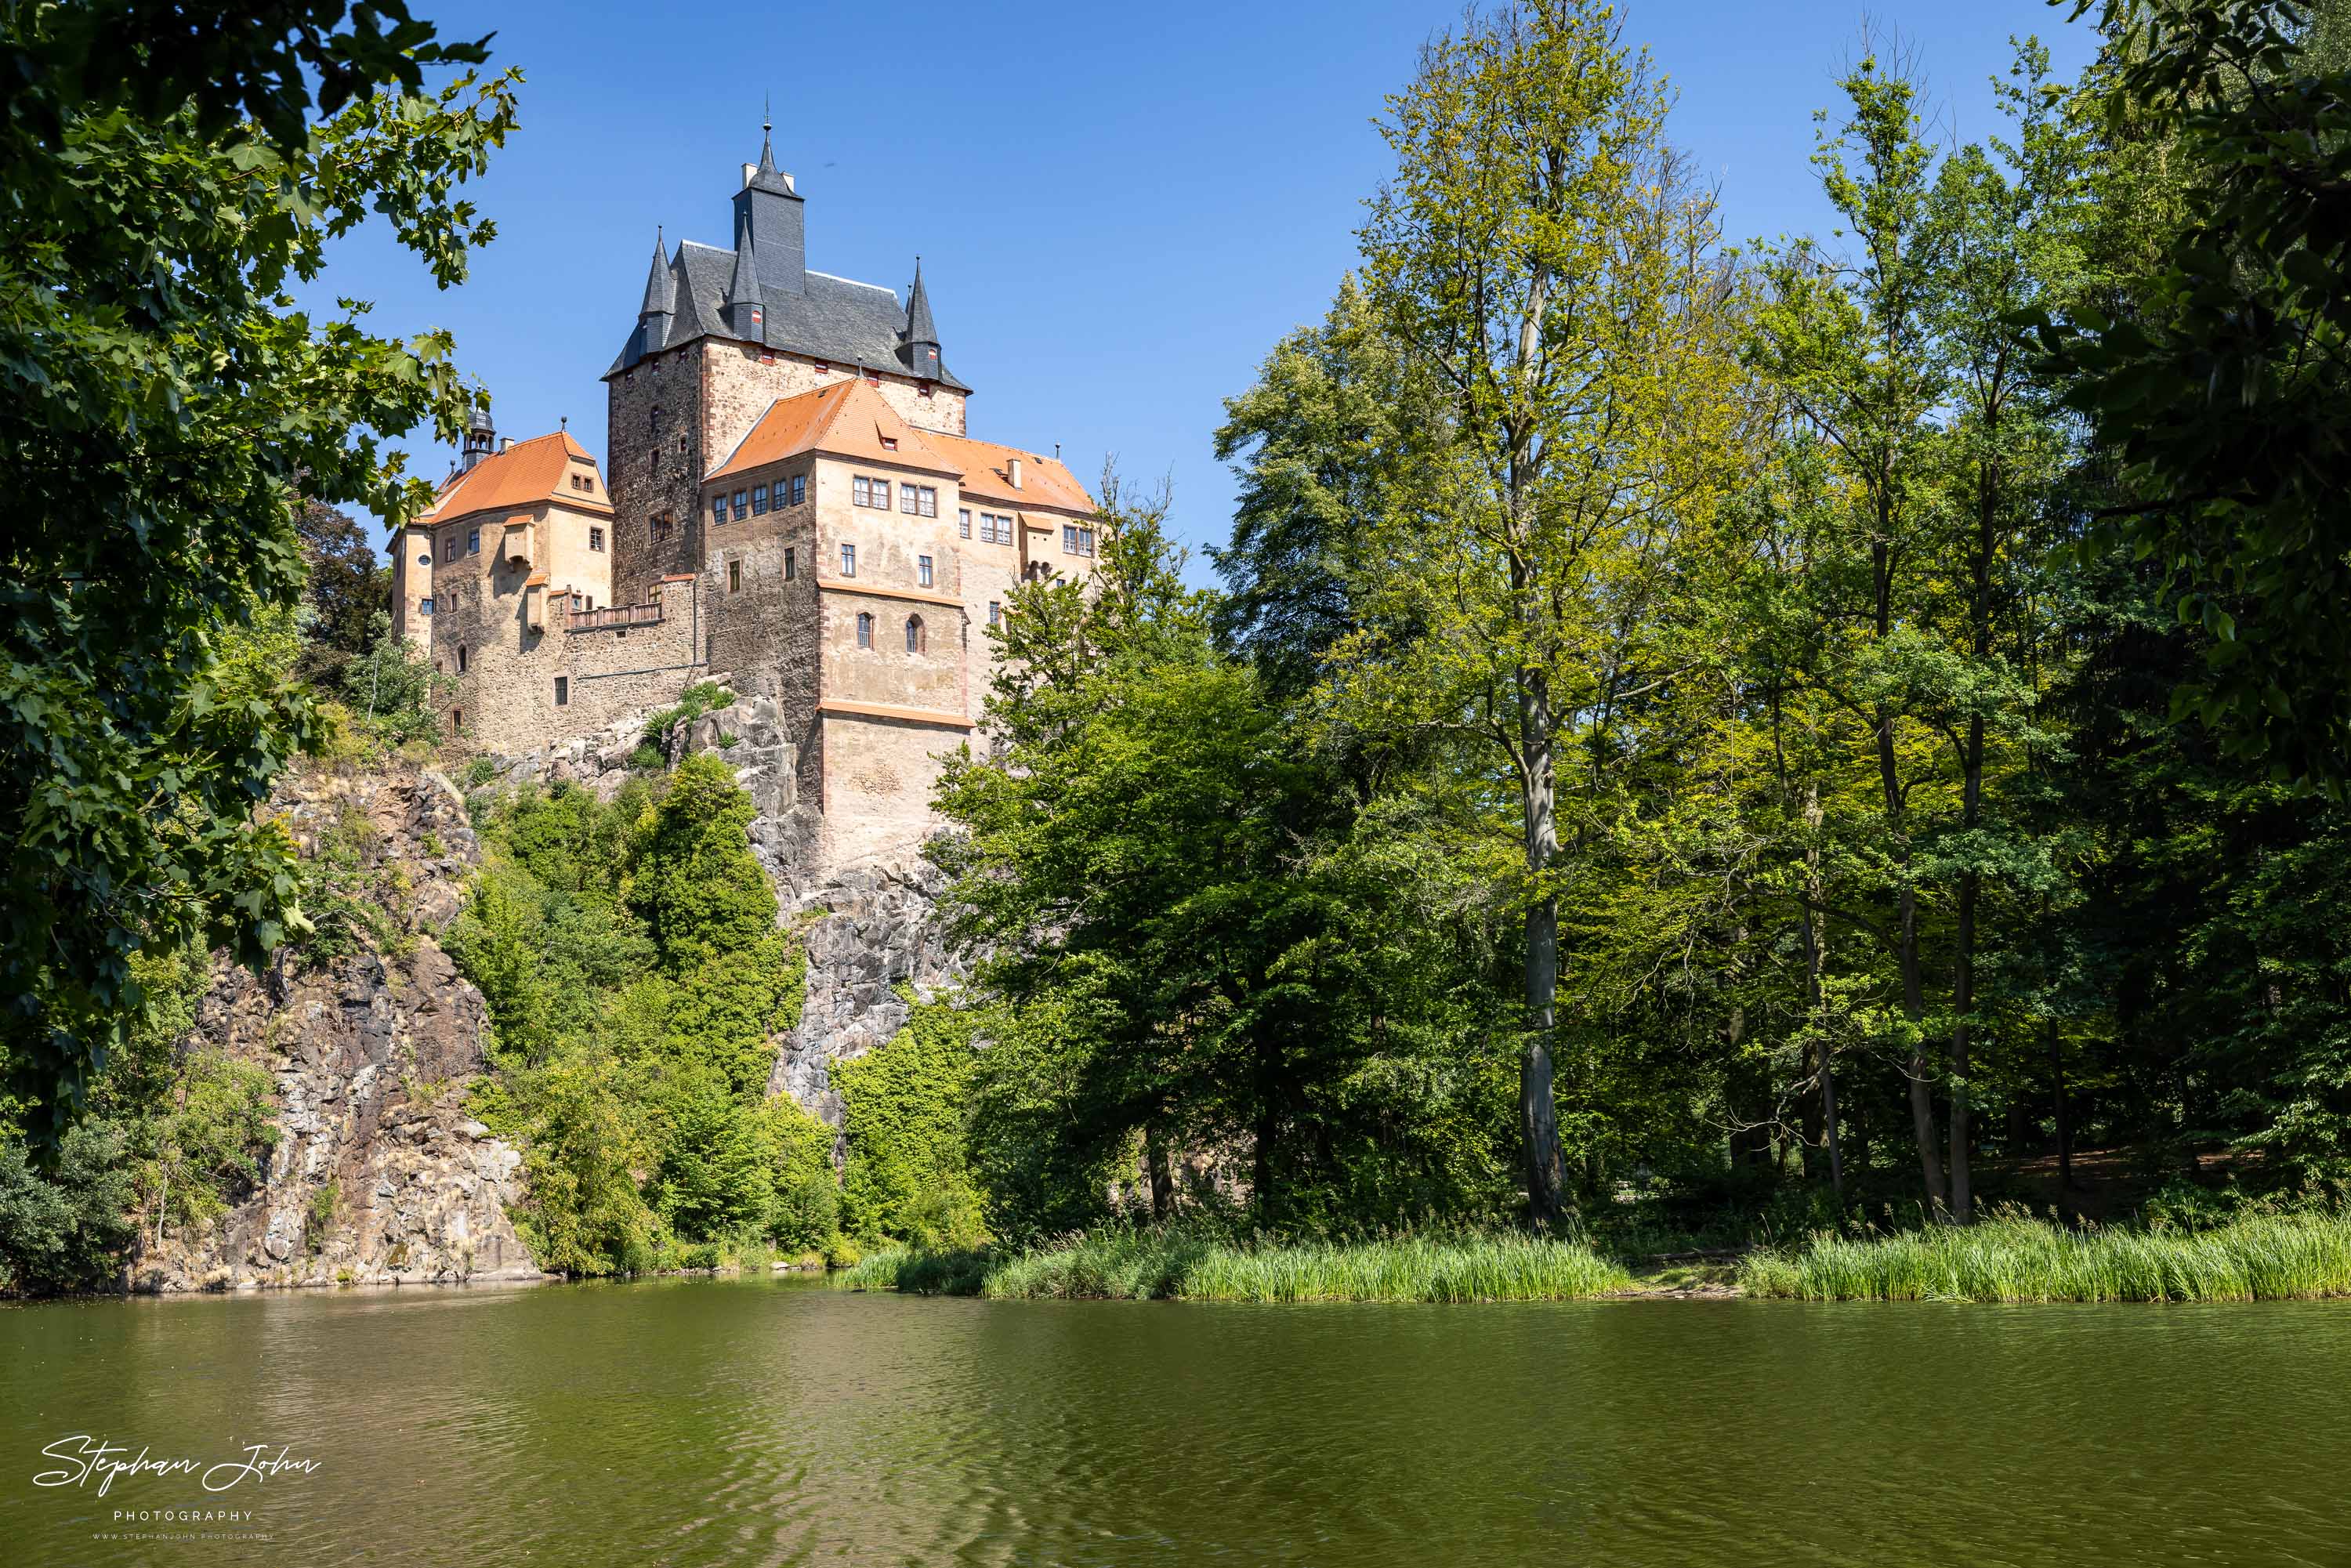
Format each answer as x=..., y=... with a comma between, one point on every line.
x=2294, y=1256
x=1156, y=1265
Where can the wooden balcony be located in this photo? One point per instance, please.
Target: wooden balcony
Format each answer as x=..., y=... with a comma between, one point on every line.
x=612, y=615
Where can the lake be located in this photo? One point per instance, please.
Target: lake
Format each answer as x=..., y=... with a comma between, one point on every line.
x=708, y=1421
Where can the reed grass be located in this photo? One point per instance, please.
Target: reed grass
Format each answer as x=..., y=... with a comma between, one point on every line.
x=1177, y=1264
x=2013, y=1258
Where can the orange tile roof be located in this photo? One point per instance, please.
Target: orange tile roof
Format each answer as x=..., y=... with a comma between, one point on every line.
x=1044, y=481
x=524, y=475
x=849, y=420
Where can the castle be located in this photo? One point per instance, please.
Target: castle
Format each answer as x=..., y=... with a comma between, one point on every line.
x=791, y=505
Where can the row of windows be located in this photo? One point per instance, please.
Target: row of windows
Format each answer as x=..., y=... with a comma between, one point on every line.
x=474, y=544
x=753, y=502
x=1076, y=540
x=918, y=637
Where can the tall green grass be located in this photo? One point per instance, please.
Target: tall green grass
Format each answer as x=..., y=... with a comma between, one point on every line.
x=2263, y=1257
x=1159, y=1264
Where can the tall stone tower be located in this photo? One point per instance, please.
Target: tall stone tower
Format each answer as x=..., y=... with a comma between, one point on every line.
x=721, y=335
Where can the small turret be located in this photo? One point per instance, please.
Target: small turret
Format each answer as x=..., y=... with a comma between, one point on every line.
x=921, y=346
x=481, y=440
x=746, y=306
x=661, y=299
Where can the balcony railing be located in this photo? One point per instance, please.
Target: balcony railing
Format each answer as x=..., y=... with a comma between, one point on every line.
x=613, y=615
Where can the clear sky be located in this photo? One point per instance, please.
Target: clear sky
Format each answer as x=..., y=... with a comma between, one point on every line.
x=1119, y=208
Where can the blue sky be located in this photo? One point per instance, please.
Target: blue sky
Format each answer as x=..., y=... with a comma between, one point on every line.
x=1119, y=209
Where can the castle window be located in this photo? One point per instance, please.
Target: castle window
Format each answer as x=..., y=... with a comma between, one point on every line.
x=562, y=691
x=425, y=608
x=995, y=531
x=473, y=541
x=461, y=658
x=923, y=390
x=659, y=529
x=449, y=547
x=791, y=565
x=758, y=499
x=457, y=720
x=822, y=369
x=923, y=570
x=995, y=613
x=873, y=378
x=734, y=577
x=740, y=510
x=596, y=539
x=865, y=492
x=963, y=522
x=919, y=500
x=864, y=630
x=889, y=443
x=719, y=508
x=424, y=559
x=914, y=641
x=653, y=421
x=799, y=488
x=848, y=560
x=1076, y=540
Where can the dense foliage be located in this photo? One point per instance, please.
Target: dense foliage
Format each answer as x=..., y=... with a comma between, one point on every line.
x=163, y=408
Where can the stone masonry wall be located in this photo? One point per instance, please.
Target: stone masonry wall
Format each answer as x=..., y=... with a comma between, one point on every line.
x=608, y=667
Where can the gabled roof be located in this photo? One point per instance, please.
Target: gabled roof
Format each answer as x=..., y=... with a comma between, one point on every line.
x=834, y=320
x=850, y=419
x=524, y=475
x=987, y=476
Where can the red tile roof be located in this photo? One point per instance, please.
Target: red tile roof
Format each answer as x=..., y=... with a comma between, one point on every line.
x=986, y=475
x=847, y=420
x=524, y=475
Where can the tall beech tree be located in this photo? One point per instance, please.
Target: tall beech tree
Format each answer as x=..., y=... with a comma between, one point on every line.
x=1543, y=259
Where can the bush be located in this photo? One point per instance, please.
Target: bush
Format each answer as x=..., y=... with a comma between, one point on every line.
x=63, y=1230
x=702, y=698
x=902, y=1115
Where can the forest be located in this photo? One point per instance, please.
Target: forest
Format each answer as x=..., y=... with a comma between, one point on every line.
x=1694, y=736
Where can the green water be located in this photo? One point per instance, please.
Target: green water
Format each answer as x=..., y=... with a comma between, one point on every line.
x=778, y=1421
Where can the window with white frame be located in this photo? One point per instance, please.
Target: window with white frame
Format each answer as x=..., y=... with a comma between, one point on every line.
x=919, y=500
x=995, y=613
x=865, y=492
x=963, y=522
x=848, y=560
x=923, y=571
x=596, y=539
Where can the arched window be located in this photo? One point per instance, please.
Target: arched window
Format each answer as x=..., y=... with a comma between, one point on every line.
x=864, y=630
x=914, y=634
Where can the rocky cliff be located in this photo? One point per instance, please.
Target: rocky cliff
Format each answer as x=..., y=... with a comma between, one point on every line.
x=872, y=931
x=378, y=1175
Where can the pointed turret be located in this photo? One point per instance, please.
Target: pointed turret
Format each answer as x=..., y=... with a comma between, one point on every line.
x=773, y=209
x=921, y=346
x=661, y=291
x=746, y=306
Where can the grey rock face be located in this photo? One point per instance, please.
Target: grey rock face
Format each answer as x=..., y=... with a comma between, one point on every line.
x=869, y=932
x=379, y=1175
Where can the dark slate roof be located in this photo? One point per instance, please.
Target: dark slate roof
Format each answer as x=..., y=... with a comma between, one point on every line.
x=833, y=319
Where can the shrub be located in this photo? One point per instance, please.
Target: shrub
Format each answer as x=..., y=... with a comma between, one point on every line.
x=903, y=1113
x=702, y=698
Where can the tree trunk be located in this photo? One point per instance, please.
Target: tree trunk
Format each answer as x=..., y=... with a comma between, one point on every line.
x=1538, y=1111
x=1889, y=780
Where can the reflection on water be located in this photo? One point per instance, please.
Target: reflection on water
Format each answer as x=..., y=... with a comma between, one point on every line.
x=778, y=1421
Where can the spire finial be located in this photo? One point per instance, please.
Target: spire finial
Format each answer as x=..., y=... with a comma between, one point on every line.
x=767, y=135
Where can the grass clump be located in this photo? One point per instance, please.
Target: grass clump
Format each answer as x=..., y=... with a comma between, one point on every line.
x=1175, y=1263
x=2014, y=1258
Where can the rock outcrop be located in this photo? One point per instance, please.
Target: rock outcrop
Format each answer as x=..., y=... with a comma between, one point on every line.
x=379, y=1175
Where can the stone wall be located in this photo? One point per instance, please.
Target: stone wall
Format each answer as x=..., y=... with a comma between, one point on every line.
x=372, y=1055
x=610, y=661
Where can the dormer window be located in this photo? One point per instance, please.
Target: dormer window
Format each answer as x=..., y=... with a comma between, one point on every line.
x=822, y=369
x=889, y=443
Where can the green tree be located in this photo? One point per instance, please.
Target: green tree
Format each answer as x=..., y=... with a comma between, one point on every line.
x=161, y=406
x=1540, y=254
x=691, y=876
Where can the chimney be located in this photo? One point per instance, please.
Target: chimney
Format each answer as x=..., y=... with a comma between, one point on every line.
x=505, y=443
x=1013, y=472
